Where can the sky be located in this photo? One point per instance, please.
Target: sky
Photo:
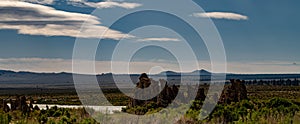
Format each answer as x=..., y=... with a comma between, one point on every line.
x=258, y=36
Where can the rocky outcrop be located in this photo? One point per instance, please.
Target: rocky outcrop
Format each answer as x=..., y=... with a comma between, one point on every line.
x=235, y=92
x=144, y=81
x=20, y=103
x=165, y=97
x=4, y=106
x=200, y=94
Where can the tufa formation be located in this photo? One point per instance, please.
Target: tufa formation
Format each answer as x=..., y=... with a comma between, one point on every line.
x=235, y=92
x=165, y=97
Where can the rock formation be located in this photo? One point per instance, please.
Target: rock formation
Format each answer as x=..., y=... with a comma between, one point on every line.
x=165, y=97
x=20, y=103
x=200, y=94
x=144, y=81
x=4, y=106
x=235, y=92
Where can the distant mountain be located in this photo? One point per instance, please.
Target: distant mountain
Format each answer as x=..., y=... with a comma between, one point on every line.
x=6, y=71
x=196, y=72
x=31, y=77
x=200, y=72
x=66, y=79
x=169, y=73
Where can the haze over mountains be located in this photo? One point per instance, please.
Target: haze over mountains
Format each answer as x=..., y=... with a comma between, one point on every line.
x=14, y=82
x=11, y=77
x=196, y=72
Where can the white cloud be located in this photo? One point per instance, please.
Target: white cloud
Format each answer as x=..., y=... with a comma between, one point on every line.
x=221, y=15
x=105, y=4
x=39, y=1
x=34, y=19
x=158, y=39
x=110, y=4
x=35, y=1
x=65, y=65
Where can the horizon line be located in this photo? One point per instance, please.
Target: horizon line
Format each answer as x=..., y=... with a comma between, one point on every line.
x=60, y=72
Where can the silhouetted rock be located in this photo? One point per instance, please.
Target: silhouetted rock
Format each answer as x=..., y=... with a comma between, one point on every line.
x=144, y=81
x=163, y=99
x=23, y=105
x=235, y=92
x=20, y=103
x=4, y=106
x=200, y=94
x=166, y=94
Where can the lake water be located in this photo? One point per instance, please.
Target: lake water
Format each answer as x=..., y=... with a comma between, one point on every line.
x=103, y=109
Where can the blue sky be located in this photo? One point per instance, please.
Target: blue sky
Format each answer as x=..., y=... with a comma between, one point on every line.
x=262, y=36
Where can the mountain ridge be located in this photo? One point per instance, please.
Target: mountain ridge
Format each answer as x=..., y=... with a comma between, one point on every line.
x=201, y=72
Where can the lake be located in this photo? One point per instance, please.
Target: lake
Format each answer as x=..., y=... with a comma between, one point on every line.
x=103, y=109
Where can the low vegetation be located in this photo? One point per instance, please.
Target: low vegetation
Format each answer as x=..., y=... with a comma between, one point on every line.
x=265, y=103
x=53, y=115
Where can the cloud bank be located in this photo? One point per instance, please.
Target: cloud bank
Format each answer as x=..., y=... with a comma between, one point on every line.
x=46, y=2
x=158, y=39
x=221, y=15
x=65, y=65
x=40, y=1
x=35, y=19
x=105, y=4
